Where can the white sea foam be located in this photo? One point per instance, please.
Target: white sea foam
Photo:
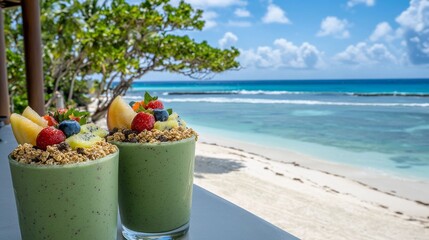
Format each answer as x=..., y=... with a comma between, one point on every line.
x=295, y=102
x=311, y=113
x=236, y=92
x=417, y=128
x=129, y=98
x=269, y=92
x=262, y=92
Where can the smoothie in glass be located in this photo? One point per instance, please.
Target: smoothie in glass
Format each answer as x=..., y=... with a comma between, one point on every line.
x=155, y=185
x=156, y=165
x=65, y=177
x=73, y=201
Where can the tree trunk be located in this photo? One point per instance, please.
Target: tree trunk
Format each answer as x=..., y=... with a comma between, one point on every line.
x=101, y=110
x=120, y=89
x=70, y=97
x=99, y=113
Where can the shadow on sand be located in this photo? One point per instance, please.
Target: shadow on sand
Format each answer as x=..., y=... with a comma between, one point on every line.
x=215, y=166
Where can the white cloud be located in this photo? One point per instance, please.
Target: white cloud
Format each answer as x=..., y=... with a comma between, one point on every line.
x=239, y=23
x=228, y=39
x=335, y=27
x=241, y=12
x=209, y=17
x=364, y=54
x=212, y=3
x=382, y=31
x=275, y=15
x=352, y=3
x=416, y=17
x=414, y=22
x=283, y=54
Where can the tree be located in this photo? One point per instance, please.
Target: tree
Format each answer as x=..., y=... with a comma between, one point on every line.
x=113, y=43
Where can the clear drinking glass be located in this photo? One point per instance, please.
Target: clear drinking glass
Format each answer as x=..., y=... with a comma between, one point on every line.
x=155, y=188
x=73, y=201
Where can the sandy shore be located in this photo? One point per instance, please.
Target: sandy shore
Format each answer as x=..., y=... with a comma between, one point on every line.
x=312, y=198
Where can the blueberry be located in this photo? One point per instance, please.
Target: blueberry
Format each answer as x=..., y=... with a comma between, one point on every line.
x=132, y=103
x=69, y=127
x=160, y=115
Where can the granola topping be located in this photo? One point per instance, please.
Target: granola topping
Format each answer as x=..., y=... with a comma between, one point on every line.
x=151, y=136
x=61, y=154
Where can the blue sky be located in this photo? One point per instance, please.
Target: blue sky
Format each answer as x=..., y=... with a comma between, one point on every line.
x=318, y=39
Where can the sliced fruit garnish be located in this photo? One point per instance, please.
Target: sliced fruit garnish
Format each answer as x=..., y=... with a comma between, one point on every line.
x=138, y=105
x=94, y=129
x=71, y=114
x=173, y=116
x=49, y=136
x=143, y=121
x=83, y=140
x=181, y=122
x=120, y=114
x=152, y=102
x=166, y=125
x=34, y=117
x=148, y=98
x=24, y=129
x=69, y=127
x=51, y=120
x=62, y=110
x=160, y=115
x=156, y=104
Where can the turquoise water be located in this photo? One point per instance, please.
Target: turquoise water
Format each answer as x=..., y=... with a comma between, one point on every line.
x=378, y=124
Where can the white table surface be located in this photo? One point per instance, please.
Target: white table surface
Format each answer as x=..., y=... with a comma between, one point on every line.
x=213, y=218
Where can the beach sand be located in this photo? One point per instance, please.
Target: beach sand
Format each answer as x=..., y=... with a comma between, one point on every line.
x=312, y=198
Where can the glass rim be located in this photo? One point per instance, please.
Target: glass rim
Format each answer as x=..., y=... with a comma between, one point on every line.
x=62, y=166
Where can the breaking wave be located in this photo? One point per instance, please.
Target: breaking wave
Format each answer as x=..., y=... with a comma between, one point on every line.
x=262, y=92
x=295, y=102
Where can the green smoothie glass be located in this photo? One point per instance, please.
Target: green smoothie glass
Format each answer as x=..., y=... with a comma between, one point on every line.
x=155, y=188
x=74, y=201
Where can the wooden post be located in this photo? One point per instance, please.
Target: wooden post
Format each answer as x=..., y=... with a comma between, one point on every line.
x=4, y=90
x=33, y=55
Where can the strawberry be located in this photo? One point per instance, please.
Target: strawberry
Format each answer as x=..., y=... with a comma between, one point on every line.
x=49, y=136
x=51, y=121
x=62, y=110
x=143, y=121
x=156, y=104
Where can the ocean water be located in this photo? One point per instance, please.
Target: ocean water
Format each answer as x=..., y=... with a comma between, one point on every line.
x=377, y=124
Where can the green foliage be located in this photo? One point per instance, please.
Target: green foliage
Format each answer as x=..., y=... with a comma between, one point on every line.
x=142, y=109
x=70, y=114
x=148, y=98
x=109, y=44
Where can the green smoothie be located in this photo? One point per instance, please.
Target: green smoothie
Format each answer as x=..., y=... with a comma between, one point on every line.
x=74, y=201
x=155, y=185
